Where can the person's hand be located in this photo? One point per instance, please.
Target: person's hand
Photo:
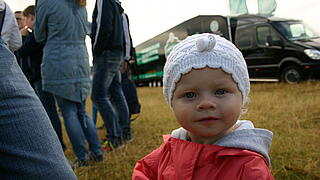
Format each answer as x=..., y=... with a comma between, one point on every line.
x=24, y=31
x=124, y=66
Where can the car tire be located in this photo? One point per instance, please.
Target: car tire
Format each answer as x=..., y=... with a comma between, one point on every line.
x=291, y=74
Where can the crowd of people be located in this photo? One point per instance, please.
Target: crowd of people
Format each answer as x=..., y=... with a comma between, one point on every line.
x=54, y=59
x=45, y=65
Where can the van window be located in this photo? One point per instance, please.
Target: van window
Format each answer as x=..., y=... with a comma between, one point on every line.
x=244, y=39
x=296, y=30
x=263, y=32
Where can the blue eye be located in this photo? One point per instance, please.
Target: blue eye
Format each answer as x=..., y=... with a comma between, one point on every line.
x=190, y=95
x=220, y=92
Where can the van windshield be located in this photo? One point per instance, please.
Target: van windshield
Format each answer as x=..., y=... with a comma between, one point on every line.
x=296, y=30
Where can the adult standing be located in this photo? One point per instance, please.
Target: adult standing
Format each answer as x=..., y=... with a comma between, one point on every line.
x=62, y=26
x=32, y=52
x=10, y=31
x=107, y=95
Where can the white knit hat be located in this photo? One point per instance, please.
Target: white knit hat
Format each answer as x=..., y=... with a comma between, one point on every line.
x=200, y=51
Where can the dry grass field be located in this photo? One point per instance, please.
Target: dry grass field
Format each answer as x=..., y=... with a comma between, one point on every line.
x=292, y=112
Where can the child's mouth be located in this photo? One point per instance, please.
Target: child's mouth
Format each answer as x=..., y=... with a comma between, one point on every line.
x=211, y=118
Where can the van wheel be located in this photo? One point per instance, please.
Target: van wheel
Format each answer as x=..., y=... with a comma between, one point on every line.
x=291, y=74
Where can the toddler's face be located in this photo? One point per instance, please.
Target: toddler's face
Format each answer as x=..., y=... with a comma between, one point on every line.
x=207, y=103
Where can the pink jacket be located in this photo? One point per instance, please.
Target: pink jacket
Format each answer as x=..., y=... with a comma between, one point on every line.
x=179, y=159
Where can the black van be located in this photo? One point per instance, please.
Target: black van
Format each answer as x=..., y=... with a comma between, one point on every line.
x=274, y=48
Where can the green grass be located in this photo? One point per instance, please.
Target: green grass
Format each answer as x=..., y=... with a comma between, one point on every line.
x=292, y=112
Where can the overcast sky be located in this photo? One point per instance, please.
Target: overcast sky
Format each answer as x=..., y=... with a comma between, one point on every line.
x=148, y=18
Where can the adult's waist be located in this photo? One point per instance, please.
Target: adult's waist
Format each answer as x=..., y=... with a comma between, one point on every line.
x=66, y=42
x=108, y=52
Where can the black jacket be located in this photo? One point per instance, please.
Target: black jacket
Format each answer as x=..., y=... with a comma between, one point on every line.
x=32, y=51
x=107, y=29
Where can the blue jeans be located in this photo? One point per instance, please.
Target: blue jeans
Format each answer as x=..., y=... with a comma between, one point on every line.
x=49, y=104
x=108, y=97
x=29, y=147
x=94, y=114
x=79, y=127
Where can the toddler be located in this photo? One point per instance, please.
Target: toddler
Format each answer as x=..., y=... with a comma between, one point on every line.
x=206, y=83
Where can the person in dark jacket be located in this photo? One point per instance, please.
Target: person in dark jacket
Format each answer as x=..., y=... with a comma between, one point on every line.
x=128, y=87
x=32, y=51
x=107, y=95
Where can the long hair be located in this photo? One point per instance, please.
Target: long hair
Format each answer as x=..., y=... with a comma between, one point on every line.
x=82, y=2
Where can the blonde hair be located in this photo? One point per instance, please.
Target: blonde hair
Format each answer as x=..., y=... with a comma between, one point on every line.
x=82, y=2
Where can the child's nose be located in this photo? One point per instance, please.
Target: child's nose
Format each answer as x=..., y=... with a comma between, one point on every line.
x=206, y=105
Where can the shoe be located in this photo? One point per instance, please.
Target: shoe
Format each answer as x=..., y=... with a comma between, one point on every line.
x=127, y=138
x=134, y=117
x=96, y=158
x=109, y=146
x=79, y=163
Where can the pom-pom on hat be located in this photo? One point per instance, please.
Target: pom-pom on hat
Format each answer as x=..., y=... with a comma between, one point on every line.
x=200, y=51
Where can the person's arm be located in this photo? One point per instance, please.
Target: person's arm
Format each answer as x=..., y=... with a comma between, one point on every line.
x=147, y=167
x=143, y=171
x=132, y=50
x=41, y=23
x=257, y=168
x=94, y=24
x=103, y=25
x=29, y=146
x=15, y=40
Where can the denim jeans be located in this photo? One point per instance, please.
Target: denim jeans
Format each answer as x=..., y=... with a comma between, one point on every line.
x=94, y=114
x=108, y=97
x=29, y=147
x=79, y=127
x=49, y=104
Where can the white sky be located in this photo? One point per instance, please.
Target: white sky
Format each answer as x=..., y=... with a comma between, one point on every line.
x=148, y=18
